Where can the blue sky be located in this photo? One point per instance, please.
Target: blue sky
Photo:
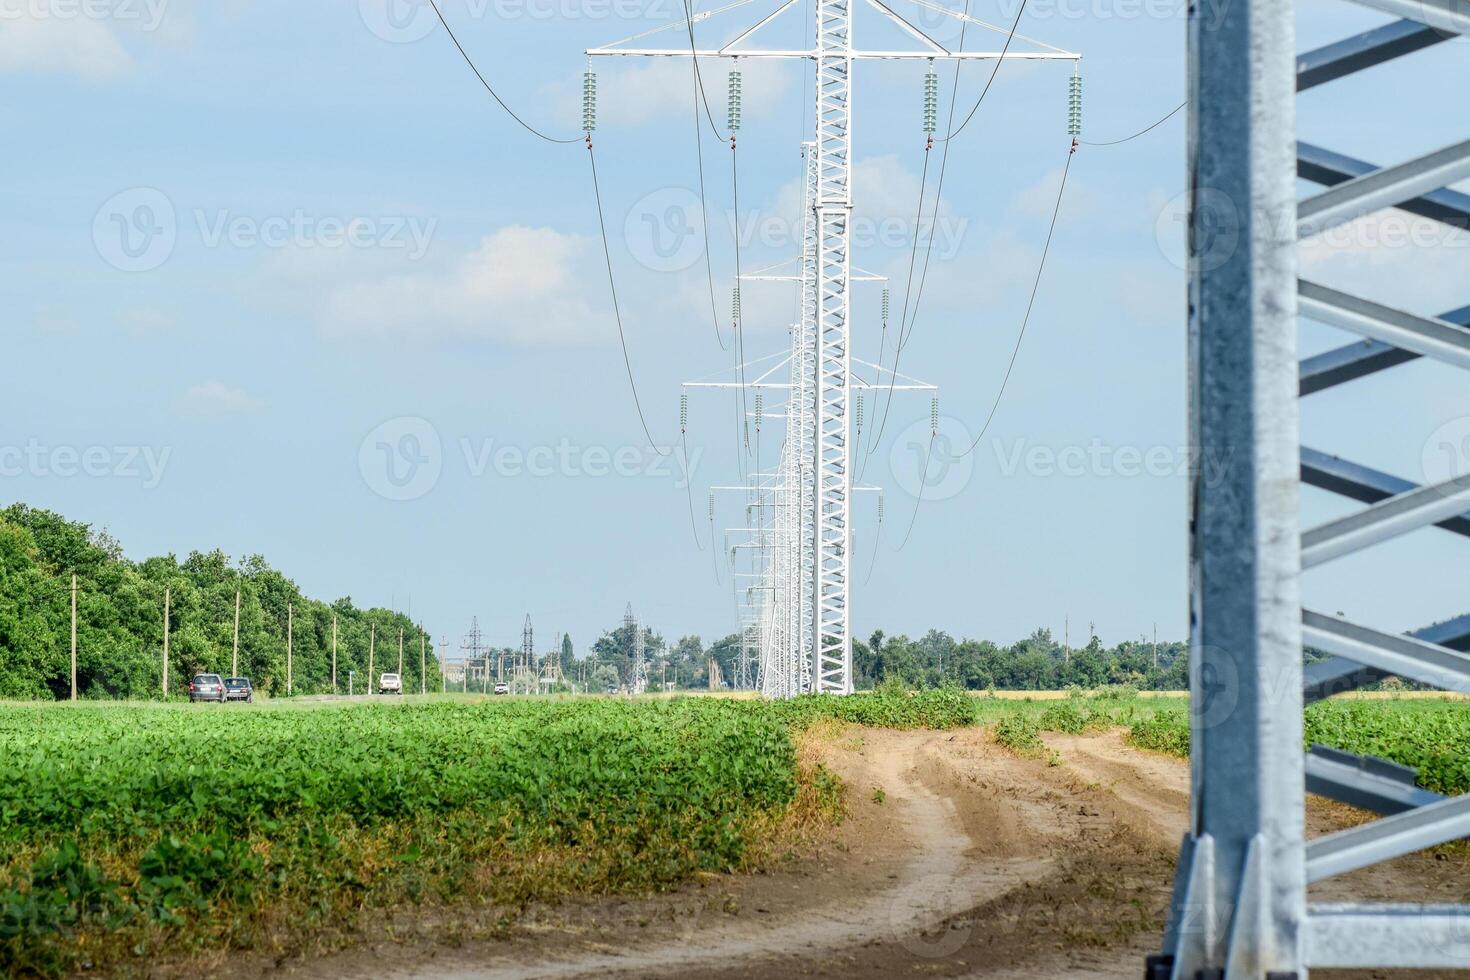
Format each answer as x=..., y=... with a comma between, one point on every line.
x=361, y=248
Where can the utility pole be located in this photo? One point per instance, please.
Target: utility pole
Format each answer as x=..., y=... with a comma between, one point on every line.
x=423, y=664
x=73, y=636
x=235, y=646
x=165, y=641
x=372, y=644
x=400, y=655
x=334, y=653
x=290, y=623
x=1156, y=646
x=1067, y=640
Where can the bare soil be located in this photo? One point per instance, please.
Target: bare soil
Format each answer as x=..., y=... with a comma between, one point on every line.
x=959, y=859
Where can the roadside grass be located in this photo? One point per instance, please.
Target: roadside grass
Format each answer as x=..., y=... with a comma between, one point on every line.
x=1430, y=734
x=130, y=834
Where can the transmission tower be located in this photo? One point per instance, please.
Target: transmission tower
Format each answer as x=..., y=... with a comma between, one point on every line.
x=817, y=624
x=473, y=646
x=1240, y=905
x=639, y=683
x=523, y=671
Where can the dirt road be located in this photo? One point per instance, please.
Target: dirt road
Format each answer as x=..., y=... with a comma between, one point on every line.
x=960, y=859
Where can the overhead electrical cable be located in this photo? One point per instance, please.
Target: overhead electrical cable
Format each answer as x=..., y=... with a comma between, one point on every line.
x=952, y=133
x=709, y=271
x=1030, y=305
x=919, y=500
x=689, y=490
x=617, y=311
x=1146, y=129
x=698, y=78
x=493, y=94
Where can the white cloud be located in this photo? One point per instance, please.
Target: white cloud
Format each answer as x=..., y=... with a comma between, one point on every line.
x=214, y=399
x=522, y=286
x=144, y=320
x=90, y=40
x=79, y=46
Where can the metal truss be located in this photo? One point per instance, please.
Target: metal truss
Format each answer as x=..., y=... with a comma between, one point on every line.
x=822, y=354
x=1240, y=904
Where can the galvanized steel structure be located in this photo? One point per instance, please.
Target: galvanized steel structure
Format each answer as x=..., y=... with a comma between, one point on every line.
x=1240, y=906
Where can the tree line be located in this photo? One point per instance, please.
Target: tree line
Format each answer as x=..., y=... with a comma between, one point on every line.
x=120, y=633
x=120, y=620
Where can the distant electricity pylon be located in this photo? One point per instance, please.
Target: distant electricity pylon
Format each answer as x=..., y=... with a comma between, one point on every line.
x=474, y=650
x=639, y=681
x=816, y=648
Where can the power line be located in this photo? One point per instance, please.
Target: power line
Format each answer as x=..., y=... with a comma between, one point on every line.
x=1147, y=129
x=617, y=311
x=689, y=491
x=703, y=199
x=698, y=78
x=1025, y=321
x=993, y=71
x=923, y=482
x=467, y=60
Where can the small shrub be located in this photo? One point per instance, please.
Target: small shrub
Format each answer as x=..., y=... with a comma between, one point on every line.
x=1018, y=732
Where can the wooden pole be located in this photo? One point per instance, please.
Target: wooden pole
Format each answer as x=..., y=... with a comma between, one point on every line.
x=334, y=654
x=400, y=655
x=290, y=623
x=73, y=636
x=372, y=643
x=235, y=650
x=423, y=665
x=166, y=597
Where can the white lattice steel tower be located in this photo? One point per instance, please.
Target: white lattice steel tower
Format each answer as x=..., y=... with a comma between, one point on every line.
x=826, y=651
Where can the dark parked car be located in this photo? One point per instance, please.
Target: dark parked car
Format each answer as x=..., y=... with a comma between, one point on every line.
x=207, y=687
x=239, y=689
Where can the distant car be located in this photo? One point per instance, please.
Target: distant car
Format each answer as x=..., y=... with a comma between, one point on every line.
x=207, y=687
x=612, y=689
x=390, y=684
x=502, y=688
x=239, y=689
